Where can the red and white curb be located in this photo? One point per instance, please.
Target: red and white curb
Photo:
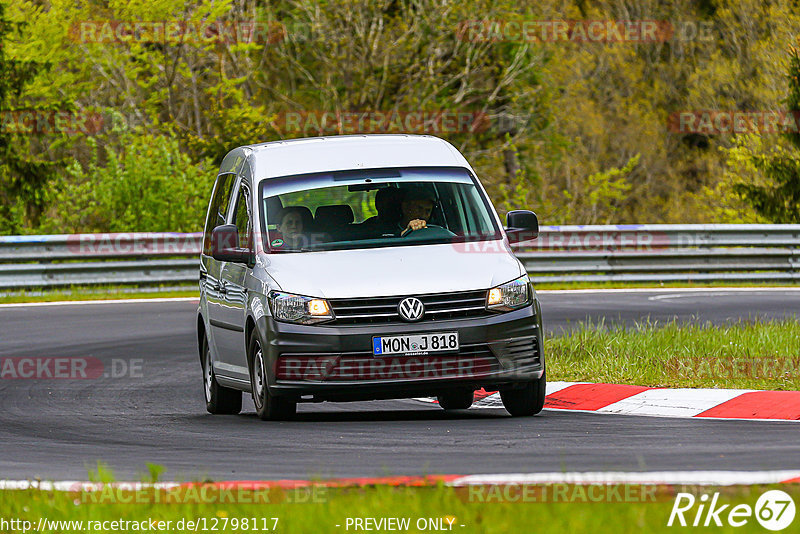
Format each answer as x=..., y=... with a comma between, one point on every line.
x=661, y=478
x=661, y=402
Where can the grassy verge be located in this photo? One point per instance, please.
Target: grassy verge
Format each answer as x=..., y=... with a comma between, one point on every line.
x=556, y=508
x=96, y=293
x=657, y=285
x=748, y=355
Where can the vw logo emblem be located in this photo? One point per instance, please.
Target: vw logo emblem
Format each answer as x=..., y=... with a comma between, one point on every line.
x=411, y=309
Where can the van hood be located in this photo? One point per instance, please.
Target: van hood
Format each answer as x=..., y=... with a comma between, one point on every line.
x=411, y=270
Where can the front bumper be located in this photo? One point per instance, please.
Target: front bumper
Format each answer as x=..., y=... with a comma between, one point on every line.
x=336, y=362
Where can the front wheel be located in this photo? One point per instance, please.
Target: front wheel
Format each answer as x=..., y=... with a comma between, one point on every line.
x=219, y=399
x=268, y=407
x=525, y=401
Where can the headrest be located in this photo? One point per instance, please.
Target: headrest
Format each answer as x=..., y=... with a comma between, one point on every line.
x=387, y=202
x=337, y=215
x=274, y=209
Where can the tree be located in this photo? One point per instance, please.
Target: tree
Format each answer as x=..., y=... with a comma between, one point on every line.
x=144, y=184
x=23, y=176
x=778, y=198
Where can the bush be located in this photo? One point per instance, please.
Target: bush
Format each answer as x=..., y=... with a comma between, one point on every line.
x=144, y=183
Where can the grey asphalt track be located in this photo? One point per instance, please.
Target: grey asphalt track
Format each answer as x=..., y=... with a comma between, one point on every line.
x=58, y=429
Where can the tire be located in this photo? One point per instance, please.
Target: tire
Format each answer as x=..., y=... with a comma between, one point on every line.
x=268, y=407
x=525, y=401
x=219, y=399
x=456, y=400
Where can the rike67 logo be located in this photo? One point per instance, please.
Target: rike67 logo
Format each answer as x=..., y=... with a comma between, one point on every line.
x=774, y=510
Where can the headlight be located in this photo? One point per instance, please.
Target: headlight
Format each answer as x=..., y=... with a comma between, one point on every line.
x=509, y=296
x=299, y=309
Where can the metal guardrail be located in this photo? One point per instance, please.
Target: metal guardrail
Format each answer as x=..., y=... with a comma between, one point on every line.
x=664, y=253
x=624, y=253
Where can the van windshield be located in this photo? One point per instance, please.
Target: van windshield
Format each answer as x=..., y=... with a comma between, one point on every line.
x=374, y=208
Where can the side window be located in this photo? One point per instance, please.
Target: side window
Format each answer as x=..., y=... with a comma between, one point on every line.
x=241, y=218
x=217, y=208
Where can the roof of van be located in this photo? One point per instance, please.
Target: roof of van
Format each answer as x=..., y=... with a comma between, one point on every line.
x=346, y=152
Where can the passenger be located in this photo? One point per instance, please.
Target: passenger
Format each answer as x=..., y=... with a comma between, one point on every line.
x=291, y=228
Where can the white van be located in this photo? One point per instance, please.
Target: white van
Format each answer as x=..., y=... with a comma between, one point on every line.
x=363, y=267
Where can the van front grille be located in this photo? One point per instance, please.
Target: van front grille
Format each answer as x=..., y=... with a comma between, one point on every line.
x=383, y=310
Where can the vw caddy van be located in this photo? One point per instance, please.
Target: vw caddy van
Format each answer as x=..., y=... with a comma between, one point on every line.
x=363, y=267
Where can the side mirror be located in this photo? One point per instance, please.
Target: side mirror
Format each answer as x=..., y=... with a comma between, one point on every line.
x=523, y=225
x=225, y=245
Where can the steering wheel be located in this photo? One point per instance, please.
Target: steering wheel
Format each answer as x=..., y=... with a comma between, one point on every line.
x=431, y=230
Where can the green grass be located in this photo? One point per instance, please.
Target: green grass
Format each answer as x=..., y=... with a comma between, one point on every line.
x=748, y=355
x=573, y=511
x=96, y=293
x=656, y=285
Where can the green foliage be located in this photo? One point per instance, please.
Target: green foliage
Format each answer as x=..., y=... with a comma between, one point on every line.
x=23, y=176
x=233, y=126
x=768, y=180
x=577, y=130
x=103, y=473
x=599, y=195
x=775, y=191
x=154, y=472
x=140, y=183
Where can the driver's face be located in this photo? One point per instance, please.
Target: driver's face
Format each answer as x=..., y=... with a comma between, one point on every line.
x=417, y=209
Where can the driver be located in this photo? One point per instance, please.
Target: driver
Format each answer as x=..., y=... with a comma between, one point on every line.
x=416, y=207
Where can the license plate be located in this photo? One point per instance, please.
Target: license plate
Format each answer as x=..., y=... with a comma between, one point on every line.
x=415, y=345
